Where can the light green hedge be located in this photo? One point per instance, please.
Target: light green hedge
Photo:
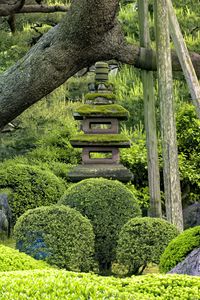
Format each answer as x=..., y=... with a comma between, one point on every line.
x=13, y=260
x=59, y=284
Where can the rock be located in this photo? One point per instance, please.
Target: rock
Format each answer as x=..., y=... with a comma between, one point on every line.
x=190, y=265
x=5, y=214
x=191, y=215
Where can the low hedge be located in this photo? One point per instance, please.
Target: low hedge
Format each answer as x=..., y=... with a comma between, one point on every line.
x=109, y=205
x=13, y=260
x=31, y=187
x=179, y=248
x=59, y=235
x=59, y=284
x=142, y=241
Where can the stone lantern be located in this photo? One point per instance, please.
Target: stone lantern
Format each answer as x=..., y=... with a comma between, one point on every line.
x=100, y=140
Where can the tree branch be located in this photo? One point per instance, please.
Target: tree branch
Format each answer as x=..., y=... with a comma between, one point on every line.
x=89, y=32
x=34, y=9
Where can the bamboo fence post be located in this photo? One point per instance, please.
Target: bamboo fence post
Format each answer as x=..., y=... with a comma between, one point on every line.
x=184, y=57
x=168, y=126
x=150, y=117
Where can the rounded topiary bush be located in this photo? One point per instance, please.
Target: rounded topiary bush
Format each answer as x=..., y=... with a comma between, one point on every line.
x=109, y=205
x=31, y=187
x=143, y=240
x=59, y=235
x=179, y=248
x=13, y=260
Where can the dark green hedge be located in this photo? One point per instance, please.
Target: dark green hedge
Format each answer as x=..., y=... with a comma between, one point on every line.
x=179, y=248
x=13, y=260
x=31, y=186
x=63, y=285
x=59, y=235
x=109, y=205
x=142, y=241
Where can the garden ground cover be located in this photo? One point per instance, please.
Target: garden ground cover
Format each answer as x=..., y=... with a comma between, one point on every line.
x=60, y=284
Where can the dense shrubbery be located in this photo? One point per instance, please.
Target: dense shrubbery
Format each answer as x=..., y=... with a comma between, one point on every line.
x=109, y=205
x=13, y=260
x=142, y=241
x=59, y=235
x=31, y=187
x=179, y=248
x=63, y=285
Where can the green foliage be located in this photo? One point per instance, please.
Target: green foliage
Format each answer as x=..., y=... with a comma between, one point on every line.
x=179, y=248
x=31, y=186
x=188, y=135
x=109, y=205
x=142, y=241
x=13, y=260
x=60, y=284
x=58, y=234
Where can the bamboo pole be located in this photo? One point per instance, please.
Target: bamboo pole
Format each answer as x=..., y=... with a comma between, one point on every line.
x=150, y=117
x=184, y=57
x=168, y=126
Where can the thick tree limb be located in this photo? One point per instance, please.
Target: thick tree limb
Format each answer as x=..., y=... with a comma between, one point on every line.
x=34, y=9
x=88, y=33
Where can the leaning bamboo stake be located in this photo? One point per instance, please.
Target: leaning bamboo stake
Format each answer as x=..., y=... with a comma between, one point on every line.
x=150, y=117
x=168, y=126
x=184, y=57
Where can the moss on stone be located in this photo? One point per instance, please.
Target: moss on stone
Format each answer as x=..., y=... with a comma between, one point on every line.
x=118, y=140
x=111, y=110
x=92, y=96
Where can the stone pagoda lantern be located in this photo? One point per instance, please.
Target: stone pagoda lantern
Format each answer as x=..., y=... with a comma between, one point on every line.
x=100, y=140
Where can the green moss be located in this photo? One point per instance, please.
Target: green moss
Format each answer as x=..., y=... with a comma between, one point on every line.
x=118, y=140
x=110, y=110
x=92, y=96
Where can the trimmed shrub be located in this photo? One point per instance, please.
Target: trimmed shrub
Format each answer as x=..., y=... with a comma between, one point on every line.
x=60, y=284
x=13, y=260
x=31, y=186
x=142, y=241
x=59, y=235
x=109, y=205
x=179, y=248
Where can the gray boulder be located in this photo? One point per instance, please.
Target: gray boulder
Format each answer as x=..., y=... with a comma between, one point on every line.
x=191, y=215
x=190, y=265
x=5, y=214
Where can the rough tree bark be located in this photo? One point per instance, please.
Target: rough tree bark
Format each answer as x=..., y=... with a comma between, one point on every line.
x=167, y=115
x=150, y=118
x=88, y=33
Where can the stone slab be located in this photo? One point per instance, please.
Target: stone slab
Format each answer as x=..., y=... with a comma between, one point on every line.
x=117, y=171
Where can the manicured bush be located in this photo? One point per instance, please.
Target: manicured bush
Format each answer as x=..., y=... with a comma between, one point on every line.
x=31, y=187
x=59, y=235
x=142, y=241
x=109, y=205
x=179, y=248
x=13, y=260
x=63, y=285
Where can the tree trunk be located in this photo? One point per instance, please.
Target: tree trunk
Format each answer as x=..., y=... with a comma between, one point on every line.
x=184, y=58
x=84, y=36
x=150, y=118
x=168, y=125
